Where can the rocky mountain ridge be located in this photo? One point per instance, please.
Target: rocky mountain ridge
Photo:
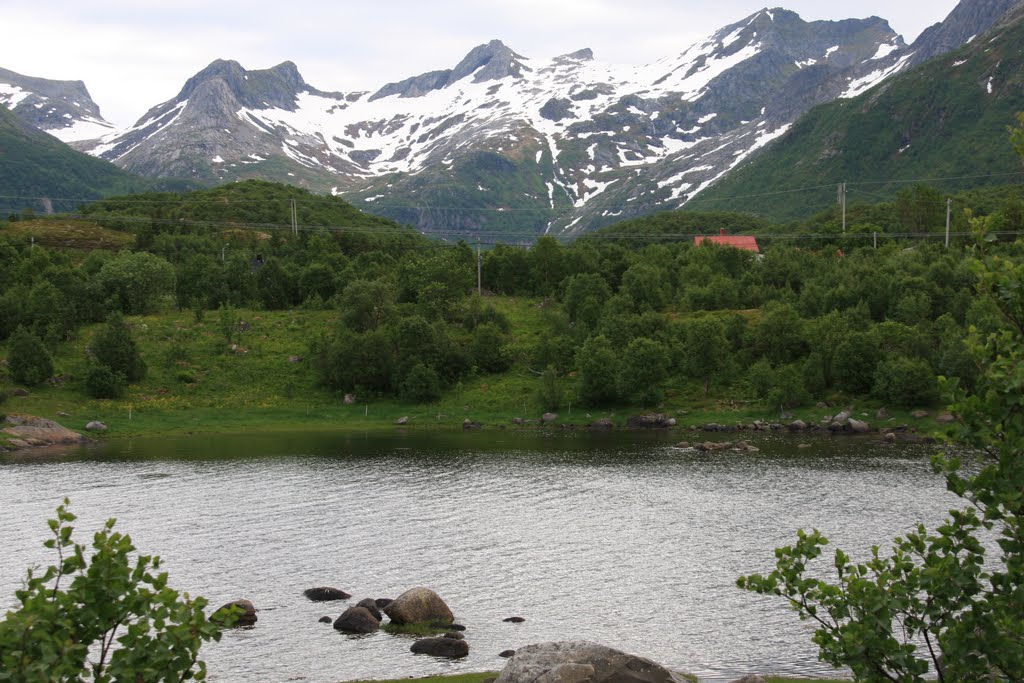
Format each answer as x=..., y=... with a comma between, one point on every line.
x=63, y=109
x=509, y=147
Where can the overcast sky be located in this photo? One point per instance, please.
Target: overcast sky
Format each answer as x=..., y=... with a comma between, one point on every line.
x=133, y=55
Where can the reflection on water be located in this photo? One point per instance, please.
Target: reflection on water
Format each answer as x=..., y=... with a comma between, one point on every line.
x=621, y=539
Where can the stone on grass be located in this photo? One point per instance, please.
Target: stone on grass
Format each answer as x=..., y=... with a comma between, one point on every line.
x=858, y=426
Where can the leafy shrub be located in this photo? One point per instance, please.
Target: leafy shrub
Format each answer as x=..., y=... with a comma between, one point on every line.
x=906, y=382
x=115, y=348
x=68, y=616
x=29, y=361
x=549, y=395
x=489, y=349
x=421, y=385
x=103, y=382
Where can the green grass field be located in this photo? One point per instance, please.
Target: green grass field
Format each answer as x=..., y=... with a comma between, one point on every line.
x=198, y=382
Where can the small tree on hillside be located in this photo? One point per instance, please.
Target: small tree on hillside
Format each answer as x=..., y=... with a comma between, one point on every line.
x=115, y=348
x=28, y=359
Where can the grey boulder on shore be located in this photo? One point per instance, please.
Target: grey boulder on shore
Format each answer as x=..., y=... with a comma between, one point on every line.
x=580, y=661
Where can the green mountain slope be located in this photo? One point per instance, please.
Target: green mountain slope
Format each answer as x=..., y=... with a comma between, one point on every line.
x=947, y=119
x=259, y=207
x=41, y=173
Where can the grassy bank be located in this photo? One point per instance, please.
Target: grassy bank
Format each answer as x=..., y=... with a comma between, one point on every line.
x=198, y=382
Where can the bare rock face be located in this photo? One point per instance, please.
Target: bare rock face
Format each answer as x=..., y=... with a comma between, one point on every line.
x=28, y=431
x=419, y=605
x=581, y=662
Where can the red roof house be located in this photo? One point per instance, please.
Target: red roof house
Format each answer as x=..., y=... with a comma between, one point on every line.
x=747, y=242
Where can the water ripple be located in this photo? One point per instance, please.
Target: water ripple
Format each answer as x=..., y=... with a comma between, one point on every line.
x=623, y=539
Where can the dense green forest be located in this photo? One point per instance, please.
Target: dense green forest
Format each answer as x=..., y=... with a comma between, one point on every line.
x=622, y=316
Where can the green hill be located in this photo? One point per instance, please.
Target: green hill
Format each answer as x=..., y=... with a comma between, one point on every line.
x=944, y=123
x=41, y=173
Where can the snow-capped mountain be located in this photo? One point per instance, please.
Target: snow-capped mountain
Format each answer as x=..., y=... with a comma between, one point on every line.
x=503, y=143
x=63, y=109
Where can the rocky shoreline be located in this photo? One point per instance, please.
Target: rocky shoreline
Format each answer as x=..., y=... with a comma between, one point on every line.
x=27, y=431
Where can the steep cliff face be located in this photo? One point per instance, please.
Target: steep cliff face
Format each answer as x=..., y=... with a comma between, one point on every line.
x=968, y=20
x=509, y=145
x=62, y=108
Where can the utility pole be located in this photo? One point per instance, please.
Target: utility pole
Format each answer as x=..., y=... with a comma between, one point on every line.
x=295, y=220
x=949, y=213
x=841, y=198
x=479, y=279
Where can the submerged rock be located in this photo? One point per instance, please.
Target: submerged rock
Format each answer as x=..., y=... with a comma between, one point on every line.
x=325, y=594
x=441, y=647
x=247, y=617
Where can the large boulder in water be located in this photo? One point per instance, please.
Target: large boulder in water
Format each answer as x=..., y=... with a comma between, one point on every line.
x=441, y=647
x=356, y=620
x=580, y=661
x=418, y=606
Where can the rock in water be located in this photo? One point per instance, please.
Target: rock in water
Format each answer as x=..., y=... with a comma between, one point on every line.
x=371, y=606
x=325, y=593
x=441, y=647
x=417, y=606
x=356, y=620
x=578, y=661
x=247, y=617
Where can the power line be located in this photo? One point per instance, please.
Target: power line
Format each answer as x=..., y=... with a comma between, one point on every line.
x=623, y=208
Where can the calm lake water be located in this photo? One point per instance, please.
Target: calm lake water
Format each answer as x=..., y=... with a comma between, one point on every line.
x=622, y=539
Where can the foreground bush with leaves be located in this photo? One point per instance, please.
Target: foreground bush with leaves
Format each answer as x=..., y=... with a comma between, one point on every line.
x=935, y=608
x=109, y=616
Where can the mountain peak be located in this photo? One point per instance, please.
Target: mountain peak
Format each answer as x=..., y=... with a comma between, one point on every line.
x=277, y=86
x=490, y=62
x=62, y=108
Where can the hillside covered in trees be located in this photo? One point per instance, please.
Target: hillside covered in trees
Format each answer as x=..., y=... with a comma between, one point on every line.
x=632, y=316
